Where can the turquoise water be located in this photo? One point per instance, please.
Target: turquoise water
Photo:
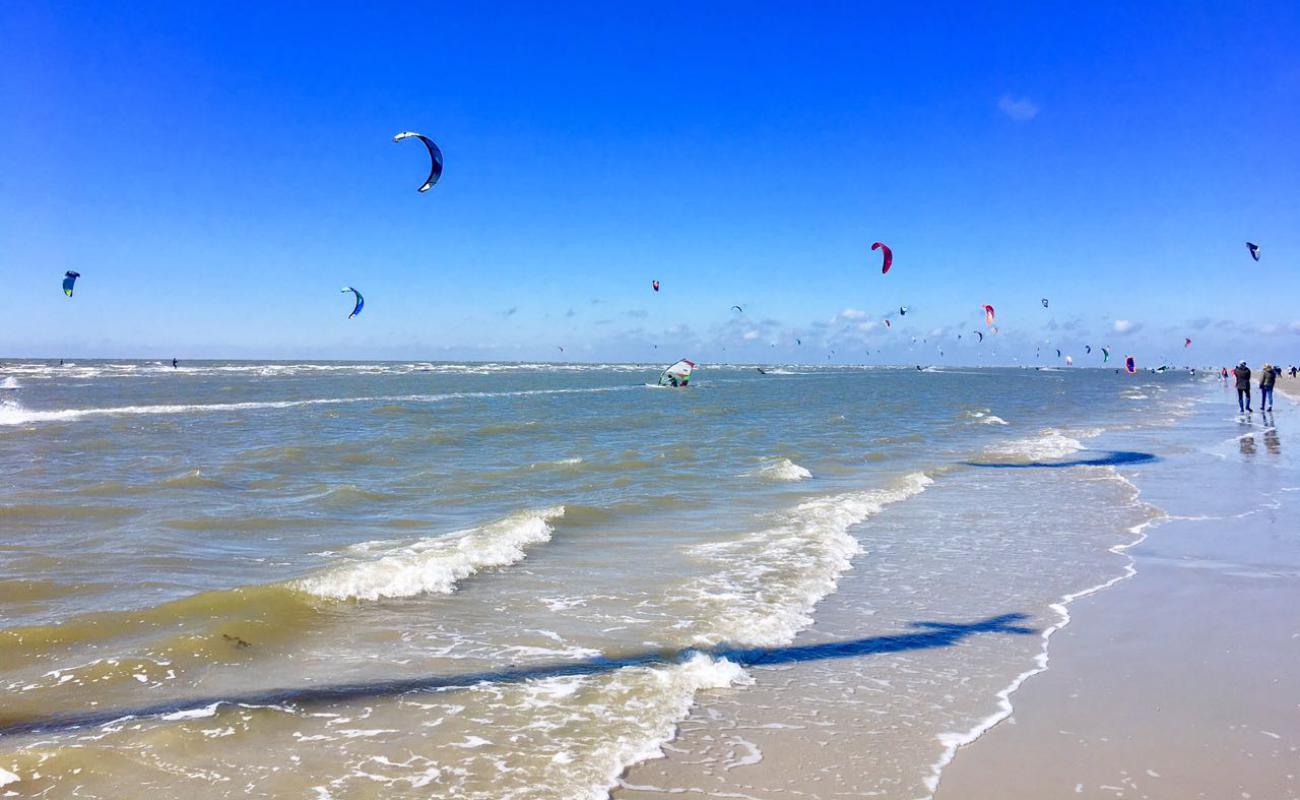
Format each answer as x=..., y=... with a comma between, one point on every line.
x=503, y=580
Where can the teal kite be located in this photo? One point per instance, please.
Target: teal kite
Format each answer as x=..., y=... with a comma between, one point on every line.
x=361, y=301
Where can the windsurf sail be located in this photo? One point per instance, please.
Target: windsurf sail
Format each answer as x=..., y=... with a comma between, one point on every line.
x=678, y=374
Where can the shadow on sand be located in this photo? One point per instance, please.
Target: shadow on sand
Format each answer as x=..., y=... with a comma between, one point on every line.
x=925, y=636
x=1096, y=458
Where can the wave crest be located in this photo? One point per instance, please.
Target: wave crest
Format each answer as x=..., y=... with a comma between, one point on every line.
x=783, y=469
x=431, y=565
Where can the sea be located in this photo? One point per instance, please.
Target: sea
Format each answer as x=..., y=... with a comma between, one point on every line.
x=547, y=581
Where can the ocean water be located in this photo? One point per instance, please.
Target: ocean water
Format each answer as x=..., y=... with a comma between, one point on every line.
x=365, y=580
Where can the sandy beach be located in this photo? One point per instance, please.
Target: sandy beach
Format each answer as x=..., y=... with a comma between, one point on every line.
x=1289, y=386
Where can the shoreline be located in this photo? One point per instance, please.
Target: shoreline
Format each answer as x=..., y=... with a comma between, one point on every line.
x=956, y=743
x=1177, y=685
x=722, y=749
x=693, y=764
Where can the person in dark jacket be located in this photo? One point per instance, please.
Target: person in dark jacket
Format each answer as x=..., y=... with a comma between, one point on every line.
x=1267, y=378
x=1242, y=374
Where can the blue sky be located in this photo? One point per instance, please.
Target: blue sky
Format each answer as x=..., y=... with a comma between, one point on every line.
x=217, y=171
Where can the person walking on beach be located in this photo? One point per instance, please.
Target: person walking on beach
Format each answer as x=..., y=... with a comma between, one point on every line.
x=1242, y=374
x=1267, y=378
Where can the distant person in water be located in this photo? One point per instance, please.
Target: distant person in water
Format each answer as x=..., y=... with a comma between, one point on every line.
x=1242, y=374
x=1267, y=378
x=174, y=362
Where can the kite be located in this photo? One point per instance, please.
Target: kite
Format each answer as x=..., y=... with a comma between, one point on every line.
x=888, y=256
x=1044, y=302
x=902, y=311
x=1254, y=250
x=738, y=308
x=435, y=157
x=1186, y=343
x=69, y=278
x=979, y=334
x=1058, y=352
x=1130, y=364
x=1069, y=361
x=1087, y=348
x=654, y=285
x=361, y=301
x=888, y=324
x=989, y=315
x=1105, y=355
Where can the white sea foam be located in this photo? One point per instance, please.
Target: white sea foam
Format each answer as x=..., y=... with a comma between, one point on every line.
x=768, y=582
x=7, y=777
x=563, y=462
x=783, y=469
x=10, y=383
x=983, y=417
x=14, y=413
x=386, y=569
x=644, y=726
x=193, y=713
x=254, y=369
x=1048, y=443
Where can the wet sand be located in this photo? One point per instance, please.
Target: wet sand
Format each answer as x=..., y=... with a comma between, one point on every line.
x=1183, y=682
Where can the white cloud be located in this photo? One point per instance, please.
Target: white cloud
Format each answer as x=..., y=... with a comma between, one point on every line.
x=853, y=313
x=750, y=336
x=1021, y=110
x=1126, y=326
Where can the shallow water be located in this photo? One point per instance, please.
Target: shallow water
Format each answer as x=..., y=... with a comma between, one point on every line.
x=501, y=581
